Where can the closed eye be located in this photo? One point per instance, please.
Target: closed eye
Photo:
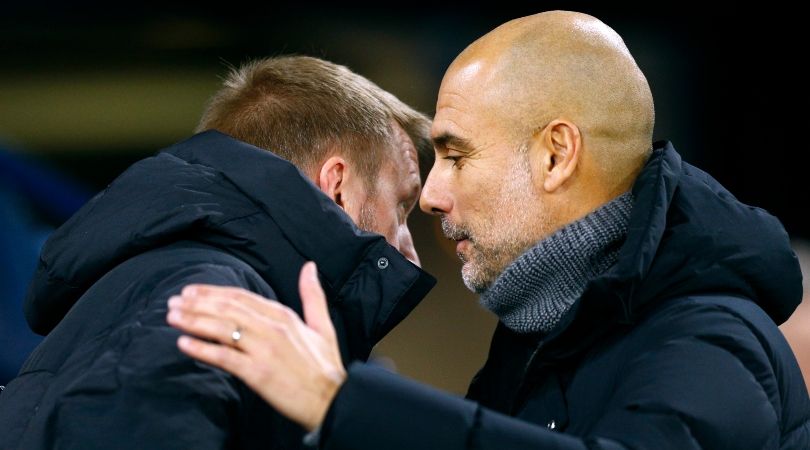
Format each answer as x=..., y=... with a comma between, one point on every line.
x=456, y=160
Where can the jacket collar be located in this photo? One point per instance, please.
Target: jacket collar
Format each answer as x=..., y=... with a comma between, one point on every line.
x=683, y=223
x=609, y=299
x=350, y=261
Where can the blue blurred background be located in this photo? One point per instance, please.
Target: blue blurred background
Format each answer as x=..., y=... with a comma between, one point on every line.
x=85, y=91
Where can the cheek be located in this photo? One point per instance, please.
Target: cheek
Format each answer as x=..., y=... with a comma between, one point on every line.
x=472, y=194
x=387, y=223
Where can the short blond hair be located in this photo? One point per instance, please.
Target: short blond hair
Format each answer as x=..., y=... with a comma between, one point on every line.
x=304, y=109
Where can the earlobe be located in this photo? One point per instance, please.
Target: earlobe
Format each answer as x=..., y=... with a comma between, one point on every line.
x=330, y=178
x=563, y=143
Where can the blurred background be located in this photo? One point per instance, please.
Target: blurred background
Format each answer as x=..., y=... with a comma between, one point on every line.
x=85, y=92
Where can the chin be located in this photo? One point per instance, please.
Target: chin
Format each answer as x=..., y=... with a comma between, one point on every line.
x=472, y=280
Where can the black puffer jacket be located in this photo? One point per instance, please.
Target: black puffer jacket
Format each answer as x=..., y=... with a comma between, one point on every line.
x=207, y=210
x=675, y=347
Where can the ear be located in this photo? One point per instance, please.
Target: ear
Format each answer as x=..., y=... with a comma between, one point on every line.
x=562, y=143
x=331, y=179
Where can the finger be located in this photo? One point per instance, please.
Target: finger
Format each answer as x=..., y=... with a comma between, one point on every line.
x=222, y=356
x=257, y=331
x=222, y=300
x=222, y=291
x=211, y=306
x=214, y=328
x=313, y=299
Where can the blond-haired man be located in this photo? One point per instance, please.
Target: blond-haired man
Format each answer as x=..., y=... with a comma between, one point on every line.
x=220, y=208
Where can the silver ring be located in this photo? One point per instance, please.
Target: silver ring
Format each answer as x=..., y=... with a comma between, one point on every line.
x=236, y=335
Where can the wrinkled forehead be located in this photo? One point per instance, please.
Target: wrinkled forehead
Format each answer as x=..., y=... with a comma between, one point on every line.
x=403, y=154
x=398, y=173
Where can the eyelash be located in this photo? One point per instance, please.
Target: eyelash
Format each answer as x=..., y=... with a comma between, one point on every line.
x=456, y=161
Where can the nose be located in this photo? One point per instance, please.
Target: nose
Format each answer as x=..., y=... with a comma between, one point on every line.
x=405, y=245
x=435, y=198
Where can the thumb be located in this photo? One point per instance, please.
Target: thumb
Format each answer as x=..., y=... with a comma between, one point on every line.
x=313, y=300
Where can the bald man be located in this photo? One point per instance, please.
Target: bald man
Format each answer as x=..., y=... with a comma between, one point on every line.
x=638, y=299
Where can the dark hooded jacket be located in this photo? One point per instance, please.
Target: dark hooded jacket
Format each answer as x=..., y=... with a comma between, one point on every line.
x=675, y=347
x=212, y=210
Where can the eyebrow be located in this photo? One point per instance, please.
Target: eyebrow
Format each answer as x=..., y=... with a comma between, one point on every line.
x=445, y=140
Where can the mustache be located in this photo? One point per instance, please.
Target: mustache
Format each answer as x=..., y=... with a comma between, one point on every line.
x=454, y=231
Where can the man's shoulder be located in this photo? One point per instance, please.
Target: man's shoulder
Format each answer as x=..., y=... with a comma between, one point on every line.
x=709, y=313
x=685, y=318
x=736, y=324
x=170, y=268
x=699, y=329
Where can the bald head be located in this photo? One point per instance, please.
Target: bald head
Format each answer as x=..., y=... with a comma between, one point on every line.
x=537, y=124
x=568, y=65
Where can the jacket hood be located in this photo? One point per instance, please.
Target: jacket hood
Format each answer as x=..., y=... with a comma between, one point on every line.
x=242, y=200
x=687, y=235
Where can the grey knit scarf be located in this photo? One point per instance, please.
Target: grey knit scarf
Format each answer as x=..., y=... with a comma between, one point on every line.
x=536, y=290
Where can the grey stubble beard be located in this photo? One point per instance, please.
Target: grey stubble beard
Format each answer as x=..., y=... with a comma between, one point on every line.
x=506, y=234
